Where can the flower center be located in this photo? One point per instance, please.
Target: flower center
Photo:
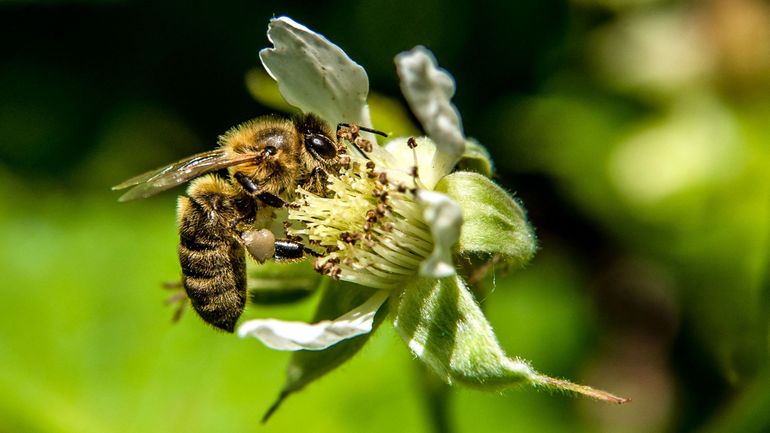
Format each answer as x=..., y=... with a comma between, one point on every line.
x=369, y=228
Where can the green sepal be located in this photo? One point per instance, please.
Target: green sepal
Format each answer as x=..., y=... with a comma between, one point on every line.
x=306, y=366
x=273, y=283
x=445, y=328
x=494, y=223
x=476, y=158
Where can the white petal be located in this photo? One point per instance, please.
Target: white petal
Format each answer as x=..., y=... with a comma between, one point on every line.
x=428, y=90
x=285, y=335
x=423, y=155
x=445, y=219
x=315, y=75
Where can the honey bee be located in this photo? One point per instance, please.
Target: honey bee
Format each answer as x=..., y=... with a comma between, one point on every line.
x=223, y=216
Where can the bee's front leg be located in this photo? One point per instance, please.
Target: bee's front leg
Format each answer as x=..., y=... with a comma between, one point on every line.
x=252, y=188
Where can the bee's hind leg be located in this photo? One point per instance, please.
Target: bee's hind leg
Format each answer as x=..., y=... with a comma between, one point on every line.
x=289, y=250
x=178, y=298
x=262, y=245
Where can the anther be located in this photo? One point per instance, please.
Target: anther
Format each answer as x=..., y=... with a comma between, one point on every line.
x=364, y=144
x=381, y=208
x=383, y=178
x=371, y=215
x=335, y=273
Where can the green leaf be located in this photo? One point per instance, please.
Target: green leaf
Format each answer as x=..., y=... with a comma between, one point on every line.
x=273, y=283
x=305, y=367
x=494, y=223
x=446, y=329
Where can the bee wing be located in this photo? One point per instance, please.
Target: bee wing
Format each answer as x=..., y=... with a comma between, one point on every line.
x=161, y=179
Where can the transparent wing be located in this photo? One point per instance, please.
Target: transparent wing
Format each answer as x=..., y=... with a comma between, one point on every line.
x=161, y=179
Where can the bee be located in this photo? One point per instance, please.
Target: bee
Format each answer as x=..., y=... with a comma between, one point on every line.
x=222, y=217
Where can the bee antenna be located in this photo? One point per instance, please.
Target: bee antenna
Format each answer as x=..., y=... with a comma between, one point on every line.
x=360, y=150
x=363, y=128
x=373, y=131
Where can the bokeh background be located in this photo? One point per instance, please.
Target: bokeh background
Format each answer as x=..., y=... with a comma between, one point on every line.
x=636, y=133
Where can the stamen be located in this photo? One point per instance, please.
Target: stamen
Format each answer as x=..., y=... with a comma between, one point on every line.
x=369, y=230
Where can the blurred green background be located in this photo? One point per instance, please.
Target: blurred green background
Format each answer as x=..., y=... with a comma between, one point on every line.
x=636, y=132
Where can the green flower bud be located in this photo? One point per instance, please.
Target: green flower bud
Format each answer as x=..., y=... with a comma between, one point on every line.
x=476, y=158
x=494, y=222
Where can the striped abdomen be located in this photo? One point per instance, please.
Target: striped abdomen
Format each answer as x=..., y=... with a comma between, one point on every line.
x=213, y=265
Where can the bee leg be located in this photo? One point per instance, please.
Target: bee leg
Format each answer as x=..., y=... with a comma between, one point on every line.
x=262, y=245
x=252, y=188
x=271, y=200
x=288, y=250
x=247, y=183
x=179, y=298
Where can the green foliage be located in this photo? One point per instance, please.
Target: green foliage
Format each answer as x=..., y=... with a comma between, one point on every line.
x=645, y=178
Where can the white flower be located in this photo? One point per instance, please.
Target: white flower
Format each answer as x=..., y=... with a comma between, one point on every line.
x=392, y=224
x=384, y=223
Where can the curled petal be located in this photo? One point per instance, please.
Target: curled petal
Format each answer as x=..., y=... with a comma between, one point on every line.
x=428, y=91
x=444, y=217
x=315, y=75
x=291, y=336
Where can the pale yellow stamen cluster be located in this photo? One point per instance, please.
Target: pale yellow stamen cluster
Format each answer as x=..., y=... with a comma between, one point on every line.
x=369, y=229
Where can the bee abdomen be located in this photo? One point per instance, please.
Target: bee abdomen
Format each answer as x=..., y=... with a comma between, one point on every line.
x=213, y=266
x=215, y=282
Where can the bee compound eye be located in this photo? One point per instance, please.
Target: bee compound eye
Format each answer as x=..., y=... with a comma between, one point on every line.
x=321, y=146
x=270, y=150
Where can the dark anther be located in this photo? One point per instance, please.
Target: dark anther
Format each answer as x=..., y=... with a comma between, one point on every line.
x=383, y=179
x=371, y=215
x=364, y=144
